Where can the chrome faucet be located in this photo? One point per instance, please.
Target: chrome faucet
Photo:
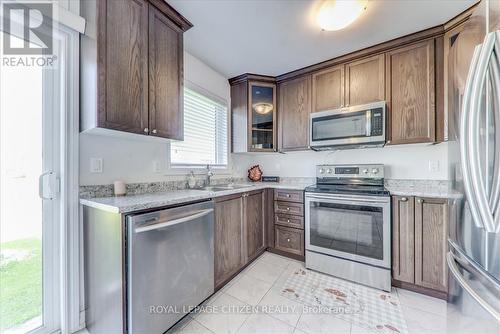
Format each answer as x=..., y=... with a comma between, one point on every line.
x=209, y=175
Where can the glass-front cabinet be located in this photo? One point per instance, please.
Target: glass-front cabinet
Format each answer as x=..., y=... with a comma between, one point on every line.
x=253, y=114
x=262, y=116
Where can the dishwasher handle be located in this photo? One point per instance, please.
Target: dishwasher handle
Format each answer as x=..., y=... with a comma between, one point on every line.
x=167, y=223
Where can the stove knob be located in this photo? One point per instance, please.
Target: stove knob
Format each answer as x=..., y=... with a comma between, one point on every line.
x=321, y=171
x=374, y=170
x=329, y=171
x=365, y=171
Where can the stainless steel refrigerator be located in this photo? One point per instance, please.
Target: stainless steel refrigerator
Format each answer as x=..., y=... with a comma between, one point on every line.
x=474, y=154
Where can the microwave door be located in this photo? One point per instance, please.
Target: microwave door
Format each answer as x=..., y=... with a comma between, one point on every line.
x=340, y=128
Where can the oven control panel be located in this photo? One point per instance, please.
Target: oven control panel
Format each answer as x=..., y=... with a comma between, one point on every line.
x=375, y=171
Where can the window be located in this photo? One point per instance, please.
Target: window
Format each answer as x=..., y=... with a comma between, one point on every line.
x=205, y=132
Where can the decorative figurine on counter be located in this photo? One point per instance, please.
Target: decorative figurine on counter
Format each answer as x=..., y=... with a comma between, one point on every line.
x=255, y=173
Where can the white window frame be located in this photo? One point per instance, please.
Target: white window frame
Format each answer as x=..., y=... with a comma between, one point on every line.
x=200, y=168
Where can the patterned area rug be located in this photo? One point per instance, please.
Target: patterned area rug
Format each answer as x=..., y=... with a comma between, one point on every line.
x=373, y=309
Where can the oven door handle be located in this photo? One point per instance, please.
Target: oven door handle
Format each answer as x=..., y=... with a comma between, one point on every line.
x=348, y=198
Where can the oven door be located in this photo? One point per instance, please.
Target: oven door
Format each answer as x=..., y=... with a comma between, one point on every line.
x=350, y=227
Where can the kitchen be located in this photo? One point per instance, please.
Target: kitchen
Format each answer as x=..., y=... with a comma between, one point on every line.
x=326, y=170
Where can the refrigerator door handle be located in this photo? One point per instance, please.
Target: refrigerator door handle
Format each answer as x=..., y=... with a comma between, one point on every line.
x=480, y=205
x=464, y=147
x=455, y=271
x=456, y=249
x=494, y=200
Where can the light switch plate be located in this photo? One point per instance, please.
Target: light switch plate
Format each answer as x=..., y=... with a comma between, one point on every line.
x=96, y=165
x=156, y=166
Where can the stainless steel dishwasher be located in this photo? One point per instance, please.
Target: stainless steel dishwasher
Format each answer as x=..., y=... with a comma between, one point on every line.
x=170, y=265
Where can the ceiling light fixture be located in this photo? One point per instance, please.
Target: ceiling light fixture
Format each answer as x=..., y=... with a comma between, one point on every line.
x=338, y=14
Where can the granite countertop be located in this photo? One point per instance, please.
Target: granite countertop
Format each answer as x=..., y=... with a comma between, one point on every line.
x=151, y=200
x=128, y=204
x=421, y=188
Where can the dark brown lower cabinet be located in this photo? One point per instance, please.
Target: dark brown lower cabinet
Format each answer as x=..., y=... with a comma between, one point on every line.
x=290, y=240
x=254, y=224
x=420, y=230
x=431, y=231
x=240, y=233
x=228, y=241
x=403, y=238
x=288, y=223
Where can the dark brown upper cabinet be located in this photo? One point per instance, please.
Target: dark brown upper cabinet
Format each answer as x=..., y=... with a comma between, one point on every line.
x=411, y=93
x=166, y=112
x=328, y=89
x=132, y=76
x=254, y=114
x=294, y=106
x=365, y=80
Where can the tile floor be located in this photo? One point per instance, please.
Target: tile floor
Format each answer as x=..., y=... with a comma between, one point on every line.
x=249, y=302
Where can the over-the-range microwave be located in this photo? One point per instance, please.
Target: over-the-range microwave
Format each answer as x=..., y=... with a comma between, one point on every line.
x=356, y=126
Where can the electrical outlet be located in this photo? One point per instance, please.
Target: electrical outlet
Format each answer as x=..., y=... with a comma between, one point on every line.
x=96, y=165
x=433, y=166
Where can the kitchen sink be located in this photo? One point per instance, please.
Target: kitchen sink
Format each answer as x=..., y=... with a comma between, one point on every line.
x=222, y=187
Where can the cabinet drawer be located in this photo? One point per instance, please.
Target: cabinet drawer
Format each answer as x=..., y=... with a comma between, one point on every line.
x=289, y=195
x=290, y=221
x=289, y=240
x=289, y=208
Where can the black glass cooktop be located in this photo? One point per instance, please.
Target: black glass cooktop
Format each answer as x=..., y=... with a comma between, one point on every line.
x=376, y=190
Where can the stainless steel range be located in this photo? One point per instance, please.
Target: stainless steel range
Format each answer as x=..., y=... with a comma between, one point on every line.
x=348, y=224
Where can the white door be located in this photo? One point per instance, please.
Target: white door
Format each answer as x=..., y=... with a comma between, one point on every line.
x=31, y=123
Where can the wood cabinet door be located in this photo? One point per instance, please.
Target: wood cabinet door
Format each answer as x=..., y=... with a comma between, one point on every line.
x=166, y=116
x=262, y=117
x=228, y=246
x=254, y=224
x=431, y=230
x=411, y=93
x=328, y=89
x=365, y=80
x=123, y=65
x=294, y=109
x=403, y=239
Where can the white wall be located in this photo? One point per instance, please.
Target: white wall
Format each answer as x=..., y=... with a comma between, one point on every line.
x=402, y=162
x=130, y=157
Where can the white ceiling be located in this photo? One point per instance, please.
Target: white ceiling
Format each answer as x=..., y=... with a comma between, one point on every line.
x=278, y=36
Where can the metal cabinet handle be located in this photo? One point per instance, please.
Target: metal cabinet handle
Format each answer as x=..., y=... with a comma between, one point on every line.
x=287, y=209
x=288, y=220
x=404, y=199
x=288, y=195
x=154, y=131
x=146, y=130
x=420, y=200
x=287, y=239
